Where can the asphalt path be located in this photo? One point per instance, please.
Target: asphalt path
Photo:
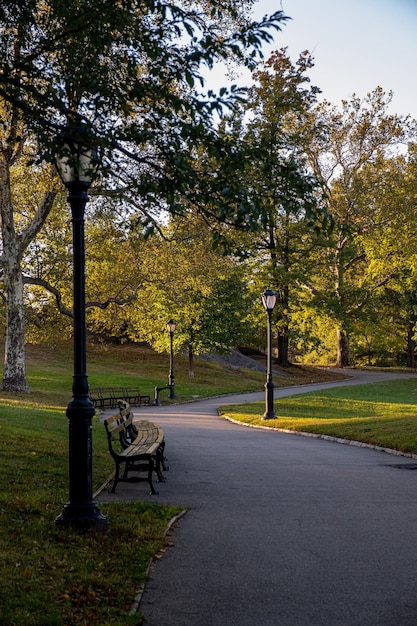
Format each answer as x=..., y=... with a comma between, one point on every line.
x=281, y=530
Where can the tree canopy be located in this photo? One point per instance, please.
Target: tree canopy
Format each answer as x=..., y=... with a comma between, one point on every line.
x=131, y=71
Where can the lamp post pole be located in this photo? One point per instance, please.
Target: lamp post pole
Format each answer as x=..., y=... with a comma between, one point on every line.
x=81, y=512
x=171, y=325
x=268, y=300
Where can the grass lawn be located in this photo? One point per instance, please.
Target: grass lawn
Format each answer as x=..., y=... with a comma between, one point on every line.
x=383, y=414
x=56, y=577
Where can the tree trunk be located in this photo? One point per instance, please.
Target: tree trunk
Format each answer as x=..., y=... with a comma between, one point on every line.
x=282, y=359
x=343, y=350
x=411, y=346
x=190, y=363
x=14, y=373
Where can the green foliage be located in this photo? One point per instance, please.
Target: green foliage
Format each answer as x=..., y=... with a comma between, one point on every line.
x=388, y=191
x=313, y=336
x=344, y=144
x=281, y=185
x=126, y=73
x=179, y=275
x=132, y=72
x=167, y=153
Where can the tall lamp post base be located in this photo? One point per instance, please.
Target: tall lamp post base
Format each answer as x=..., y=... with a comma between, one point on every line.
x=171, y=395
x=85, y=516
x=269, y=402
x=81, y=512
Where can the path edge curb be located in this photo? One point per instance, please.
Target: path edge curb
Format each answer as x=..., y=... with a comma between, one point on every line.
x=302, y=433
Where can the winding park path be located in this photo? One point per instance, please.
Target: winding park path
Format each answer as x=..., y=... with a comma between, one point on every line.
x=281, y=530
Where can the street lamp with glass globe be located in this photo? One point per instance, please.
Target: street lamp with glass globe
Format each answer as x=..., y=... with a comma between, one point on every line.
x=171, y=326
x=269, y=298
x=76, y=163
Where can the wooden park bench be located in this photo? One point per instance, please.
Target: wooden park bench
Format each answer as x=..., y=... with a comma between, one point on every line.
x=135, y=447
x=108, y=397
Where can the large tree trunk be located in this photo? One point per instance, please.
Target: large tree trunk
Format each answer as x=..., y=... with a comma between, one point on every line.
x=14, y=373
x=190, y=363
x=411, y=346
x=343, y=350
x=283, y=348
x=14, y=243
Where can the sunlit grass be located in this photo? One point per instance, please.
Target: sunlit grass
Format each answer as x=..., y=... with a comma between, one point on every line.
x=383, y=414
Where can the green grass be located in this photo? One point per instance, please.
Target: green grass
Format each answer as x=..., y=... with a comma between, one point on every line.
x=54, y=576
x=383, y=414
x=60, y=577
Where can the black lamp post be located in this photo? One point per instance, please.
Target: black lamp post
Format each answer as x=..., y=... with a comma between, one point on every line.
x=76, y=164
x=269, y=299
x=171, y=326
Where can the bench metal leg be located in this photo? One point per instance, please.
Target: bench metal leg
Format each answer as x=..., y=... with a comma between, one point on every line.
x=150, y=472
x=116, y=477
x=149, y=466
x=163, y=458
x=161, y=477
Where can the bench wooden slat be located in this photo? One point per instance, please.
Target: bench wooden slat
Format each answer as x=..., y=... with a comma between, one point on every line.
x=138, y=446
x=141, y=450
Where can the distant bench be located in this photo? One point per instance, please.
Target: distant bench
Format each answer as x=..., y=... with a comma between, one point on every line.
x=135, y=447
x=108, y=397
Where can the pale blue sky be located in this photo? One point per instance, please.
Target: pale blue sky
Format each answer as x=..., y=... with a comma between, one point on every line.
x=357, y=45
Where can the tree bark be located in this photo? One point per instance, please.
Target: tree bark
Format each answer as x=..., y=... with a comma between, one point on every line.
x=343, y=349
x=14, y=373
x=14, y=244
x=190, y=363
x=411, y=346
x=282, y=359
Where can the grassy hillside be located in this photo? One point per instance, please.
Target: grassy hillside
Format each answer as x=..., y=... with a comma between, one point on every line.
x=117, y=366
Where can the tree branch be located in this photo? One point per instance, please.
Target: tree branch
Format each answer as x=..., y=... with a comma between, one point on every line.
x=40, y=282
x=106, y=303
x=38, y=221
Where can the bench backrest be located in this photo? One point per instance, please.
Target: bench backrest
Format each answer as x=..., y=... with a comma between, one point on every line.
x=117, y=423
x=120, y=427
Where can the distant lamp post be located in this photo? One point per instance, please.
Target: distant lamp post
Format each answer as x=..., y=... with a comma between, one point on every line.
x=171, y=326
x=269, y=299
x=76, y=165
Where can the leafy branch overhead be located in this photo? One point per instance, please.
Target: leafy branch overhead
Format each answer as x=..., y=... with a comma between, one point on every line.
x=132, y=72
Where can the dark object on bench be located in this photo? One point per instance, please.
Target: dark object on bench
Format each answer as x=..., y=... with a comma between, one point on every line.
x=108, y=397
x=138, y=447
